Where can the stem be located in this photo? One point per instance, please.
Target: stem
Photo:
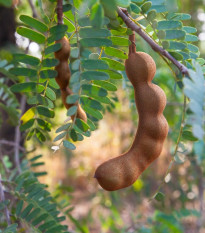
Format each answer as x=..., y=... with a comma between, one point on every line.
x=35, y=15
x=176, y=149
x=17, y=138
x=60, y=11
x=130, y=24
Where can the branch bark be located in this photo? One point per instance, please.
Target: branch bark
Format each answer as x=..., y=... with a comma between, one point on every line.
x=60, y=11
x=35, y=15
x=130, y=24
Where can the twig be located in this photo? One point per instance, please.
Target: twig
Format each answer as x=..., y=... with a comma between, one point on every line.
x=17, y=137
x=60, y=11
x=2, y=199
x=130, y=24
x=35, y=15
x=10, y=143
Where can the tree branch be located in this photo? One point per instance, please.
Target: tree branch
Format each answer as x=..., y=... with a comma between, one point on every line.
x=130, y=24
x=35, y=15
x=60, y=11
x=10, y=143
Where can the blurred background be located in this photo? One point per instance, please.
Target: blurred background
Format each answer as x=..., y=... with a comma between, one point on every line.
x=70, y=174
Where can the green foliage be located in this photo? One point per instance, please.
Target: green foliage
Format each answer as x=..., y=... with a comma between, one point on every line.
x=99, y=41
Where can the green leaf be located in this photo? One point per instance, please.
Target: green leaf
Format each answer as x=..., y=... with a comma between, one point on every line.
x=33, y=214
x=159, y=196
x=72, y=110
x=71, y=99
x=76, y=64
x=193, y=48
x=91, y=125
x=187, y=135
x=24, y=72
x=188, y=29
x=69, y=145
x=93, y=90
x=45, y=125
x=32, y=35
x=177, y=45
x=115, y=65
x=27, y=59
x=24, y=87
x=71, y=27
x=191, y=38
x=159, y=8
x=91, y=102
x=89, y=32
x=97, y=14
x=26, y=210
x=27, y=125
x=50, y=94
x=73, y=135
x=178, y=16
x=45, y=74
x=94, y=75
x=34, y=23
x=146, y=6
x=81, y=125
x=50, y=62
x=91, y=64
x=60, y=136
x=58, y=29
x=52, y=48
x=120, y=41
x=74, y=52
x=104, y=99
x=93, y=112
x=151, y=15
x=136, y=9
x=45, y=111
x=63, y=127
x=123, y=3
x=67, y=7
x=110, y=51
x=107, y=85
x=113, y=74
x=175, y=34
x=168, y=24
x=95, y=42
x=176, y=55
x=19, y=207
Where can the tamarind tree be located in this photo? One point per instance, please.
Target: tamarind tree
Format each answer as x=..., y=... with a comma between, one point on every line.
x=81, y=64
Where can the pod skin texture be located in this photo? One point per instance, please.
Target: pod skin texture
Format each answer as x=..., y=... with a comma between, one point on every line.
x=63, y=77
x=123, y=171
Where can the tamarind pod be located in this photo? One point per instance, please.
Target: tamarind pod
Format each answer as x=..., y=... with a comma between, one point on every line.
x=122, y=171
x=63, y=77
x=80, y=112
x=64, y=53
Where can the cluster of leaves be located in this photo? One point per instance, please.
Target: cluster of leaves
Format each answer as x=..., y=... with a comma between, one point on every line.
x=9, y=102
x=34, y=204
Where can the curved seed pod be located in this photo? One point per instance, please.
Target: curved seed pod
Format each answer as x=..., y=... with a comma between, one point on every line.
x=122, y=171
x=63, y=77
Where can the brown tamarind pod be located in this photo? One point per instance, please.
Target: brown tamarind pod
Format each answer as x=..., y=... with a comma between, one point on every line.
x=122, y=171
x=63, y=77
